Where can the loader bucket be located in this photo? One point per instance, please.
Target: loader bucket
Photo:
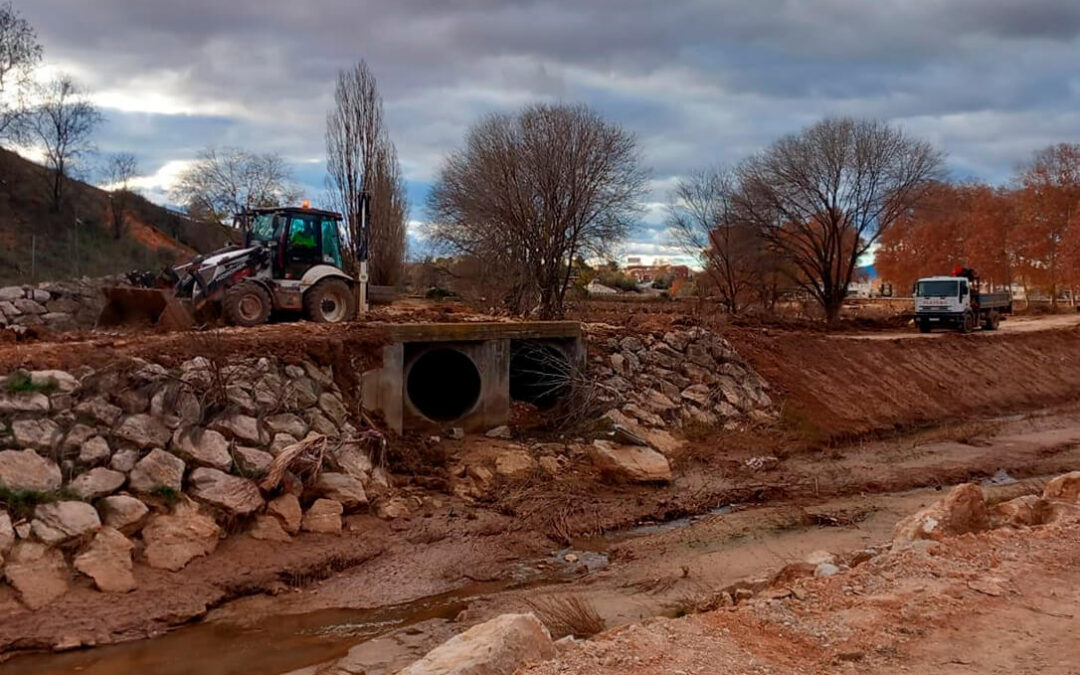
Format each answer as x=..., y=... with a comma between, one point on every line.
x=128, y=306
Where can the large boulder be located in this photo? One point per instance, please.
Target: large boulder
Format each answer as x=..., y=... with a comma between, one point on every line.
x=94, y=451
x=243, y=428
x=333, y=407
x=174, y=540
x=23, y=402
x=235, y=495
x=41, y=434
x=286, y=509
x=158, y=470
x=27, y=470
x=353, y=460
x=634, y=463
x=96, y=483
x=1024, y=511
x=123, y=512
x=342, y=488
x=963, y=510
x=143, y=431
x=100, y=410
x=497, y=647
x=57, y=381
x=1065, y=488
x=287, y=423
x=252, y=461
x=202, y=447
x=59, y=522
x=37, y=572
x=324, y=516
x=107, y=560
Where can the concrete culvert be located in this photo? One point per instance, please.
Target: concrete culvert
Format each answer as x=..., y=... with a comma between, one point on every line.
x=540, y=374
x=443, y=384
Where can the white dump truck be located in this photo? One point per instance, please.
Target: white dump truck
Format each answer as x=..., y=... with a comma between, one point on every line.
x=957, y=302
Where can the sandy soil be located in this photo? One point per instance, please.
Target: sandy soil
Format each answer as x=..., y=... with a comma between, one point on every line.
x=999, y=602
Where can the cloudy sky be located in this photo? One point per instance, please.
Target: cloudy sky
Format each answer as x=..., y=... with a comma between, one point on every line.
x=700, y=82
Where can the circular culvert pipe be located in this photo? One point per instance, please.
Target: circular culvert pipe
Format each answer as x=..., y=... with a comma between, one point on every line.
x=443, y=384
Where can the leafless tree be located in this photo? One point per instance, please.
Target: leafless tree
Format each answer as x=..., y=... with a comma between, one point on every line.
x=531, y=191
x=222, y=183
x=120, y=169
x=823, y=196
x=732, y=254
x=62, y=123
x=19, y=53
x=361, y=158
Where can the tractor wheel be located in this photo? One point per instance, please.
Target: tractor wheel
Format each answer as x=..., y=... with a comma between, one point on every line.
x=330, y=301
x=246, y=304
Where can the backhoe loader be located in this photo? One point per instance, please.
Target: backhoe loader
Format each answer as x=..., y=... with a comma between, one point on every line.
x=291, y=260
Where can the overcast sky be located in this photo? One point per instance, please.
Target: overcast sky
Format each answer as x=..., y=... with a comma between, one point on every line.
x=700, y=82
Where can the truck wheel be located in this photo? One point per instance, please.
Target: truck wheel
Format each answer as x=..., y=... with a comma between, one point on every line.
x=924, y=327
x=968, y=323
x=246, y=304
x=992, y=321
x=330, y=301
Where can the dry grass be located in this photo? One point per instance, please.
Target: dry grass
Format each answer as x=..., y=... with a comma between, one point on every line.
x=566, y=615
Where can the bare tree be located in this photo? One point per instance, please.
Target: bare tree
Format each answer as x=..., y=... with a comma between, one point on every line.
x=361, y=158
x=120, y=169
x=823, y=196
x=63, y=122
x=19, y=53
x=702, y=218
x=532, y=191
x=223, y=183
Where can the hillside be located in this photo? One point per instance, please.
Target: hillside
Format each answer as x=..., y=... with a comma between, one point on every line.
x=37, y=243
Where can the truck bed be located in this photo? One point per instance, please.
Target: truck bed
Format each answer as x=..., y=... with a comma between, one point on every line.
x=999, y=301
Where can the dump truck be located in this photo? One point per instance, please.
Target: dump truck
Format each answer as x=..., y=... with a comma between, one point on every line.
x=291, y=259
x=957, y=302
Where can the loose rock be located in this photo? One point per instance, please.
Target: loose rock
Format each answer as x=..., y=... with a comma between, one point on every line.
x=96, y=483
x=158, y=470
x=1064, y=488
x=963, y=510
x=27, y=470
x=172, y=541
x=324, y=517
x=143, y=431
x=341, y=488
x=107, y=560
x=286, y=508
x=37, y=572
x=497, y=647
x=202, y=447
x=123, y=513
x=236, y=496
x=629, y=462
x=268, y=528
x=58, y=522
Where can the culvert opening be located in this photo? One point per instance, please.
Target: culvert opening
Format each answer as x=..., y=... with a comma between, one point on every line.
x=541, y=374
x=443, y=384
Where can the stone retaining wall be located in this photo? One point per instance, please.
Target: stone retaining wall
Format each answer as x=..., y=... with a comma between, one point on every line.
x=135, y=460
x=56, y=305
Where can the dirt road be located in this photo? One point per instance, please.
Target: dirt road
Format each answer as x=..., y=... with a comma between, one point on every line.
x=1014, y=324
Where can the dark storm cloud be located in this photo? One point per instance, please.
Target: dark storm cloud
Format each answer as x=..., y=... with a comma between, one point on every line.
x=700, y=82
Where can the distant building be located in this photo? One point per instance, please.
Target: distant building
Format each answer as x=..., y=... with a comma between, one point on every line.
x=644, y=274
